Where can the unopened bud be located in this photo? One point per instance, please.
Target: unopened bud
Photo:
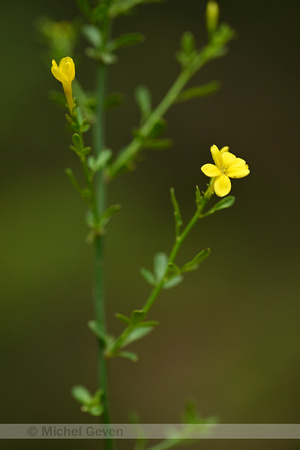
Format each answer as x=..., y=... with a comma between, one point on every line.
x=212, y=16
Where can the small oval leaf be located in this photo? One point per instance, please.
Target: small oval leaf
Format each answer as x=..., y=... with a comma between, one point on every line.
x=81, y=394
x=160, y=265
x=136, y=334
x=129, y=355
x=193, y=264
x=148, y=276
x=174, y=281
x=222, y=204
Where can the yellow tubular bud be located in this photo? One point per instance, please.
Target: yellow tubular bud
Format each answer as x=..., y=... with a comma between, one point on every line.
x=212, y=16
x=65, y=73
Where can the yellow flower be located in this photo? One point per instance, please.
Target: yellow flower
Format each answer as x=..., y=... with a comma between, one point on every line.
x=65, y=73
x=226, y=166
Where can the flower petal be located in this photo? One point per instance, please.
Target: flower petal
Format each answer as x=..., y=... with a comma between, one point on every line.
x=217, y=157
x=238, y=162
x=69, y=95
x=228, y=159
x=238, y=169
x=67, y=68
x=58, y=75
x=54, y=64
x=224, y=149
x=210, y=170
x=222, y=185
x=238, y=172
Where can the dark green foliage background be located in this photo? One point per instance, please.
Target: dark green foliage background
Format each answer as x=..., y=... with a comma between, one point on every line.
x=229, y=335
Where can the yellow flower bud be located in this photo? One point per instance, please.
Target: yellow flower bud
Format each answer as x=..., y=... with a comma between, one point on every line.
x=212, y=16
x=65, y=73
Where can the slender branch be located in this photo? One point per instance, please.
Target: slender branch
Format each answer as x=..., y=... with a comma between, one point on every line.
x=174, y=251
x=156, y=290
x=100, y=187
x=207, y=54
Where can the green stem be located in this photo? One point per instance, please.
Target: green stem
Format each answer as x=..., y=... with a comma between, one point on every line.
x=156, y=290
x=100, y=188
x=207, y=54
x=176, y=247
x=173, y=254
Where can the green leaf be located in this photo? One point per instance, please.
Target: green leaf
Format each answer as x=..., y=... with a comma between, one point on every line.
x=73, y=180
x=77, y=141
x=85, y=193
x=90, y=219
x=148, y=276
x=158, y=128
x=191, y=415
x=94, y=410
x=80, y=116
x=137, y=316
x=90, y=403
x=187, y=42
x=223, y=35
x=97, y=330
x=199, y=197
x=123, y=318
x=198, y=91
x=86, y=150
x=160, y=265
x=193, y=264
x=172, y=282
x=84, y=128
x=174, y=269
x=182, y=58
x=187, y=50
x=124, y=6
x=177, y=214
x=81, y=394
x=136, y=334
x=222, y=204
x=125, y=40
x=107, y=215
x=143, y=99
x=93, y=35
x=129, y=355
x=101, y=56
x=96, y=164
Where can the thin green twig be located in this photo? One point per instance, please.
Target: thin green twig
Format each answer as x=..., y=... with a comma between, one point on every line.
x=156, y=290
x=100, y=187
x=209, y=53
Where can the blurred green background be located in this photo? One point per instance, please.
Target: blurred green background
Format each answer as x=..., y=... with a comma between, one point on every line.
x=229, y=335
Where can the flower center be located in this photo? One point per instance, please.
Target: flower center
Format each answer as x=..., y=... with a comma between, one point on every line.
x=223, y=170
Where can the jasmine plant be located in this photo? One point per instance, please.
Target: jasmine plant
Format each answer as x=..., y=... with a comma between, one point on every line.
x=101, y=165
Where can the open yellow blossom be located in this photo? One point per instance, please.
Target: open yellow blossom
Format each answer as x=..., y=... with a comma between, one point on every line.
x=226, y=166
x=65, y=73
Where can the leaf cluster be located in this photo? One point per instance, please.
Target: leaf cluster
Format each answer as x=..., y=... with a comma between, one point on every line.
x=136, y=328
x=92, y=165
x=90, y=403
x=103, y=51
